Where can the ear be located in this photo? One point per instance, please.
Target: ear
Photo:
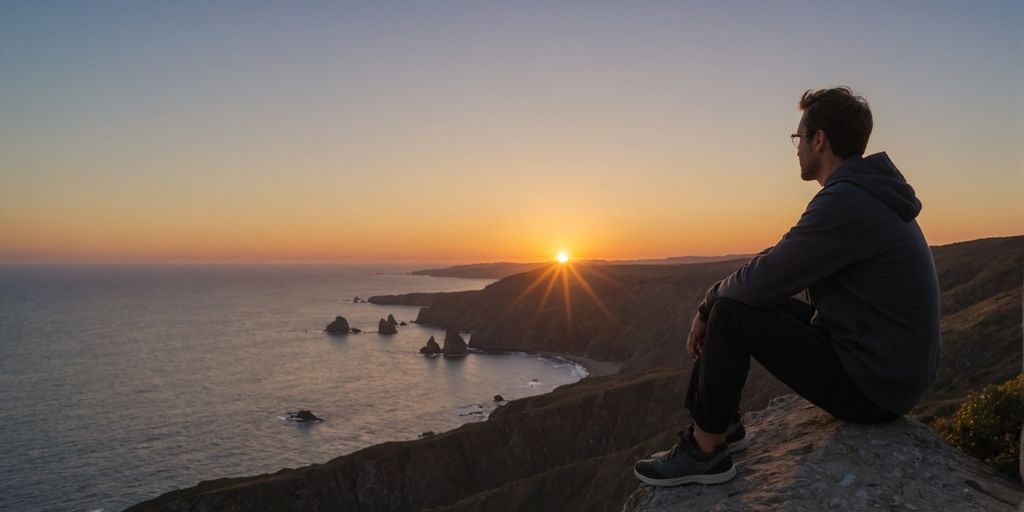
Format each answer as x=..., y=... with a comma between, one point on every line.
x=820, y=142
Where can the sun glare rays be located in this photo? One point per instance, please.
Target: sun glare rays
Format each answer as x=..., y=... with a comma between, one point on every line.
x=568, y=300
x=590, y=291
x=569, y=275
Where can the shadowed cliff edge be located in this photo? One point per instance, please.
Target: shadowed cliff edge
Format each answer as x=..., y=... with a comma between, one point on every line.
x=573, y=449
x=803, y=459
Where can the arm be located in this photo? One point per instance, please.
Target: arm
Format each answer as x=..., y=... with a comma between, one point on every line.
x=704, y=308
x=825, y=239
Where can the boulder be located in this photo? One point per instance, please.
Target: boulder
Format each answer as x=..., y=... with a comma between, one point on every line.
x=801, y=458
x=383, y=327
x=454, y=345
x=499, y=398
x=303, y=416
x=357, y=300
x=431, y=347
x=402, y=323
x=338, y=326
x=356, y=330
x=391, y=320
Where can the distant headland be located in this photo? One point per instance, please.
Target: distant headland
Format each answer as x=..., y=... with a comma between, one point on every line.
x=503, y=269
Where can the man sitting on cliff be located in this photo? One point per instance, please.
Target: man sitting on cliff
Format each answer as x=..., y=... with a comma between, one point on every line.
x=866, y=347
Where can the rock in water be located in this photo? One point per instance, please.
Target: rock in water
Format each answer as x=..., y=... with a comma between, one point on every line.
x=431, y=347
x=499, y=398
x=454, y=345
x=391, y=320
x=801, y=458
x=383, y=327
x=338, y=326
x=356, y=330
x=303, y=416
x=402, y=323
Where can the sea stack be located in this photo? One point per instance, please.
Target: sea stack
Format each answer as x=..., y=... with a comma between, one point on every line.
x=431, y=347
x=383, y=327
x=454, y=345
x=303, y=416
x=338, y=326
x=391, y=320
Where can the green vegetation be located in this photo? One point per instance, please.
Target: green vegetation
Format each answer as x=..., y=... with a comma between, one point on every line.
x=987, y=426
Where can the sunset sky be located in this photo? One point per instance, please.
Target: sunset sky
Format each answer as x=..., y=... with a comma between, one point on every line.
x=458, y=132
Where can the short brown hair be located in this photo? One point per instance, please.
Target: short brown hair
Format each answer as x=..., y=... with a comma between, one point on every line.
x=844, y=117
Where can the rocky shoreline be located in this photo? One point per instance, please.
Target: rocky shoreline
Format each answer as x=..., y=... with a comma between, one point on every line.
x=593, y=367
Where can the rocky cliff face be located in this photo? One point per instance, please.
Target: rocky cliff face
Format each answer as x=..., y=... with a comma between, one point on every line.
x=800, y=458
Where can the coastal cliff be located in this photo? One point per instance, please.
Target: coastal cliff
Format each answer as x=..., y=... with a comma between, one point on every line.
x=573, y=449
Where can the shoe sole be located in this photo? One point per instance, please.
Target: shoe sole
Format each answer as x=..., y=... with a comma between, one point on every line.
x=715, y=479
x=738, y=446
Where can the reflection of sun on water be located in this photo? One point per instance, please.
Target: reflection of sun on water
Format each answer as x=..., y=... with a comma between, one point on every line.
x=563, y=257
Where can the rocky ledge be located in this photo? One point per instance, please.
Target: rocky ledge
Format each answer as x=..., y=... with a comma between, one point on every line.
x=800, y=458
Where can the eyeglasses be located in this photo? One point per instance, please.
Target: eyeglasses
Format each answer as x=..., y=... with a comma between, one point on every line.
x=796, y=139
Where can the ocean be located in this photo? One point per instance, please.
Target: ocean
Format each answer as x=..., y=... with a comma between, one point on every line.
x=122, y=382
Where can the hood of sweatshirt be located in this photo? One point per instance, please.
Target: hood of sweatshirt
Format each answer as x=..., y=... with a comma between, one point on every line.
x=878, y=175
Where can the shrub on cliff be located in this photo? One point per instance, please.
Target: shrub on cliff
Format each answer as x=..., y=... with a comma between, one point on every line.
x=987, y=426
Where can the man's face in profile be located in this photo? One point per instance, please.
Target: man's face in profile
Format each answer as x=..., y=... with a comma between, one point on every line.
x=809, y=165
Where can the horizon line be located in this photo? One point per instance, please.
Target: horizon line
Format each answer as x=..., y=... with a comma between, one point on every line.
x=425, y=263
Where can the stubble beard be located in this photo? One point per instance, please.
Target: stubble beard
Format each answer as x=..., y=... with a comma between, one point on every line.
x=809, y=172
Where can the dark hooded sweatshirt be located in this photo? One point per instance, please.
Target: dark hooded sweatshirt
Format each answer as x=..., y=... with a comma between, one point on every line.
x=869, y=273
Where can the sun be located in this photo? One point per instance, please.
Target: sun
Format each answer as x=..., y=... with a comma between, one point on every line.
x=563, y=257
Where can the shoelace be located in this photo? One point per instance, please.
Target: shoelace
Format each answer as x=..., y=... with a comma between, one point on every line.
x=680, y=446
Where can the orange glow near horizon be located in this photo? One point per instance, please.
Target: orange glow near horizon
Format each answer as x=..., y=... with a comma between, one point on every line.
x=80, y=241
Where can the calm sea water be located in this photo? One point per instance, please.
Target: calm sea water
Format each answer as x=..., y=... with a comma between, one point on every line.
x=119, y=383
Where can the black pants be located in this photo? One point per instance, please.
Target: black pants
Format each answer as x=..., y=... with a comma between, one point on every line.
x=783, y=341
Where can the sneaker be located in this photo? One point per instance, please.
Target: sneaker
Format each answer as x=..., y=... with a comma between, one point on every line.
x=735, y=437
x=686, y=464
